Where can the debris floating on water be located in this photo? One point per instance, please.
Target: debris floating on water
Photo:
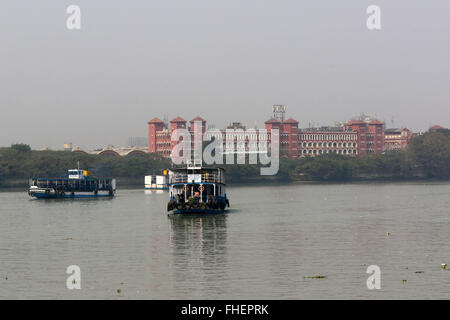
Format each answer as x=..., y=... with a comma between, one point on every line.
x=443, y=265
x=419, y=272
x=316, y=277
x=388, y=233
x=404, y=281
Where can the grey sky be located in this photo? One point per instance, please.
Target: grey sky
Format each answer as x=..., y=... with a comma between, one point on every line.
x=226, y=60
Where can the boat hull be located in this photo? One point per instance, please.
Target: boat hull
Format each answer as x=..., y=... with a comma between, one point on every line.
x=152, y=188
x=74, y=195
x=198, y=211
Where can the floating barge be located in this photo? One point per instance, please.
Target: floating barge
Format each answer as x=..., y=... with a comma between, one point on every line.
x=76, y=184
x=197, y=190
x=157, y=182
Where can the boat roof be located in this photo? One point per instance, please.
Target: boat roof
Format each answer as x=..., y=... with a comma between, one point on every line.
x=184, y=168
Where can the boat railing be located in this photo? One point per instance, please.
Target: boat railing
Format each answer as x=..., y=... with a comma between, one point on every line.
x=72, y=184
x=204, y=178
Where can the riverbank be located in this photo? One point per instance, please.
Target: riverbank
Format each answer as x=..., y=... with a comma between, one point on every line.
x=426, y=158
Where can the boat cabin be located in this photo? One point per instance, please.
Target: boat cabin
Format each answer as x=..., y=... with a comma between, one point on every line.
x=199, y=182
x=77, y=174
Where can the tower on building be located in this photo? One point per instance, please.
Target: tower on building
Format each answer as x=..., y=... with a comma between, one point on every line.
x=279, y=111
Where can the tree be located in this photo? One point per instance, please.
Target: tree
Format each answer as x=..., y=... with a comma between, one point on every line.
x=430, y=154
x=21, y=147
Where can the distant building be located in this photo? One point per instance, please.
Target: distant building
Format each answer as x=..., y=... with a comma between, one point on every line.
x=289, y=138
x=363, y=135
x=397, y=138
x=113, y=152
x=68, y=146
x=436, y=128
x=370, y=134
x=317, y=141
x=159, y=134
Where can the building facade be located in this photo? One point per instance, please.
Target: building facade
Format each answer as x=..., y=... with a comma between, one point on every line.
x=355, y=137
x=370, y=135
x=397, y=139
x=314, y=142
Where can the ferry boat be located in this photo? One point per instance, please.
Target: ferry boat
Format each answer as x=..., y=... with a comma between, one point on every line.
x=197, y=190
x=76, y=184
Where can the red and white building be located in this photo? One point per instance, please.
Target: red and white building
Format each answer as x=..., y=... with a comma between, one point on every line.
x=288, y=131
x=314, y=142
x=355, y=137
x=159, y=133
x=397, y=138
x=370, y=135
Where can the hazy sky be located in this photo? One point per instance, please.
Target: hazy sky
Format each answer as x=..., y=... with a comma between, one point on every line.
x=226, y=60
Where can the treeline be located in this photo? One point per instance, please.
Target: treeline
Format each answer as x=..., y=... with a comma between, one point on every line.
x=427, y=157
x=18, y=163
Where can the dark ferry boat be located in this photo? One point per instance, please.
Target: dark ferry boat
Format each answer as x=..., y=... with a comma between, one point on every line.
x=76, y=184
x=197, y=190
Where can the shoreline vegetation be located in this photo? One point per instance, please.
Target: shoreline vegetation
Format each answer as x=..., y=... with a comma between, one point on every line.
x=427, y=158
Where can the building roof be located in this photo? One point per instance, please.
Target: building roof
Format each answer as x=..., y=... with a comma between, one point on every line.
x=395, y=130
x=273, y=120
x=178, y=119
x=291, y=120
x=156, y=120
x=375, y=121
x=198, y=118
x=436, y=127
x=355, y=122
x=327, y=130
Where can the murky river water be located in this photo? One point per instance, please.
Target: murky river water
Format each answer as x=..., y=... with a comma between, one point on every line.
x=271, y=245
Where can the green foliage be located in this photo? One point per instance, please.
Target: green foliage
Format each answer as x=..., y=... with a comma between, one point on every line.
x=19, y=166
x=328, y=167
x=430, y=154
x=21, y=147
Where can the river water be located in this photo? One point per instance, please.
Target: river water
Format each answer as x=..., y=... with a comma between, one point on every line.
x=272, y=244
